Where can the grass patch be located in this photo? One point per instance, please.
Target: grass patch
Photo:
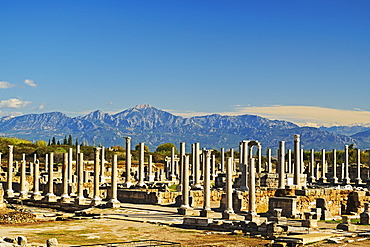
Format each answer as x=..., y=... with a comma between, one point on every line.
x=185, y=231
x=172, y=188
x=131, y=229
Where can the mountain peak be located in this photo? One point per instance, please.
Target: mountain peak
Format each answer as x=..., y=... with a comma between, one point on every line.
x=143, y=106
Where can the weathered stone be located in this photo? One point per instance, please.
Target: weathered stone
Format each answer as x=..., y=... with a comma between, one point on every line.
x=52, y=242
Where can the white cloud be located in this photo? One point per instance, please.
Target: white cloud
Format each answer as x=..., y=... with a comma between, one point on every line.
x=30, y=83
x=40, y=107
x=14, y=103
x=301, y=115
x=5, y=84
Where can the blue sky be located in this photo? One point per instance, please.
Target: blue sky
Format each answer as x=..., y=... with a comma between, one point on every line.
x=302, y=61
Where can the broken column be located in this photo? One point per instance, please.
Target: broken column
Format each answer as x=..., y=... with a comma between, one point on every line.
x=150, y=169
x=229, y=211
x=207, y=212
x=9, y=182
x=113, y=202
x=96, y=200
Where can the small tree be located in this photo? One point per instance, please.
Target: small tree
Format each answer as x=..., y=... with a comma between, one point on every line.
x=166, y=148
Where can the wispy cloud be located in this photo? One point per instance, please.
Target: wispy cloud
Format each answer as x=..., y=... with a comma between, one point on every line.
x=301, y=115
x=40, y=107
x=30, y=83
x=5, y=84
x=13, y=103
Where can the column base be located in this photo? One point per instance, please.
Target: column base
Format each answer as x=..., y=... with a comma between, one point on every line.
x=228, y=215
x=207, y=213
x=80, y=200
x=96, y=201
x=196, y=187
x=334, y=180
x=50, y=197
x=113, y=203
x=9, y=193
x=323, y=180
x=346, y=181
x=358, y=181
x=36, y=196
x=151, y=178
x=185, y=210
x=128, y=185
x=64, y=198
x=252, y=217
x=23, y=195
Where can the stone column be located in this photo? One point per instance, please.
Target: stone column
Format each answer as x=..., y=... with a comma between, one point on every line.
x=46, y=163
x=222, y=160
x=297, y=159
x=78, y=150
x=229, y=211
x=282, y=165
x=197, y=184
x=269, y=163
x=23, y=190
x=207, y=212
x=244, y=180
x=113, y=202
x=290, y=161
x=232, y=156
x=80, y=199
x=150, y=169
x=259, y=164
x=335, y=178
x=128, y=182
x=65, y=172
x=252, y=212
x=241, y=158
x=323, y=178
x=358, y=179
x=213, y=167
x=302, y=161
x=96, y=200
x=311, y=178
x=36, y=182
x=346, y=179
x=102, y=165
x=9, y=182
x=182, y=154
x=50, y=197
x=173, y=165
x=141, y=165
x=70, y=165
x=185, y=208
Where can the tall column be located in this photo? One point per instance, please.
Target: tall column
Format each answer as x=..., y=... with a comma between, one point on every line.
x=128, y=182
x=222, y=159
x=335, y=178
x=36, y=195
x=50, y=197
x=70, y=165
x=302, y=161
x=229, y=211
x=358, y=179
x=46, y=163
x=113, y=202
x=311, y=178
x=241, y=156
x=173, y=166
x=102, y=165
x=252, y=212
x=197, y=184
x=185, y=208
x=23, y=191
x=259, y=164
x=346, y=179
x=9, y=181
x=323, y=178
x=65, y=172
x=282, y=165
x=207, y=212
x=141, y=182
x=96, y=200
x=269, y=163
x=80, y=199
x=78, y=150
x=244, y=180
x=182, y=154
x=297, y=159
x=232, y=156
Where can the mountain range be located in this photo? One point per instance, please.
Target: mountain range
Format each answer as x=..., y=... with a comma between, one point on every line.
x=145, y=123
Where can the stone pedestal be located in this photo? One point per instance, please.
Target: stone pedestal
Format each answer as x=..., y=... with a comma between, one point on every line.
x=365, y=216
x=183, y=210
x=208, y=213
x=346, y=224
